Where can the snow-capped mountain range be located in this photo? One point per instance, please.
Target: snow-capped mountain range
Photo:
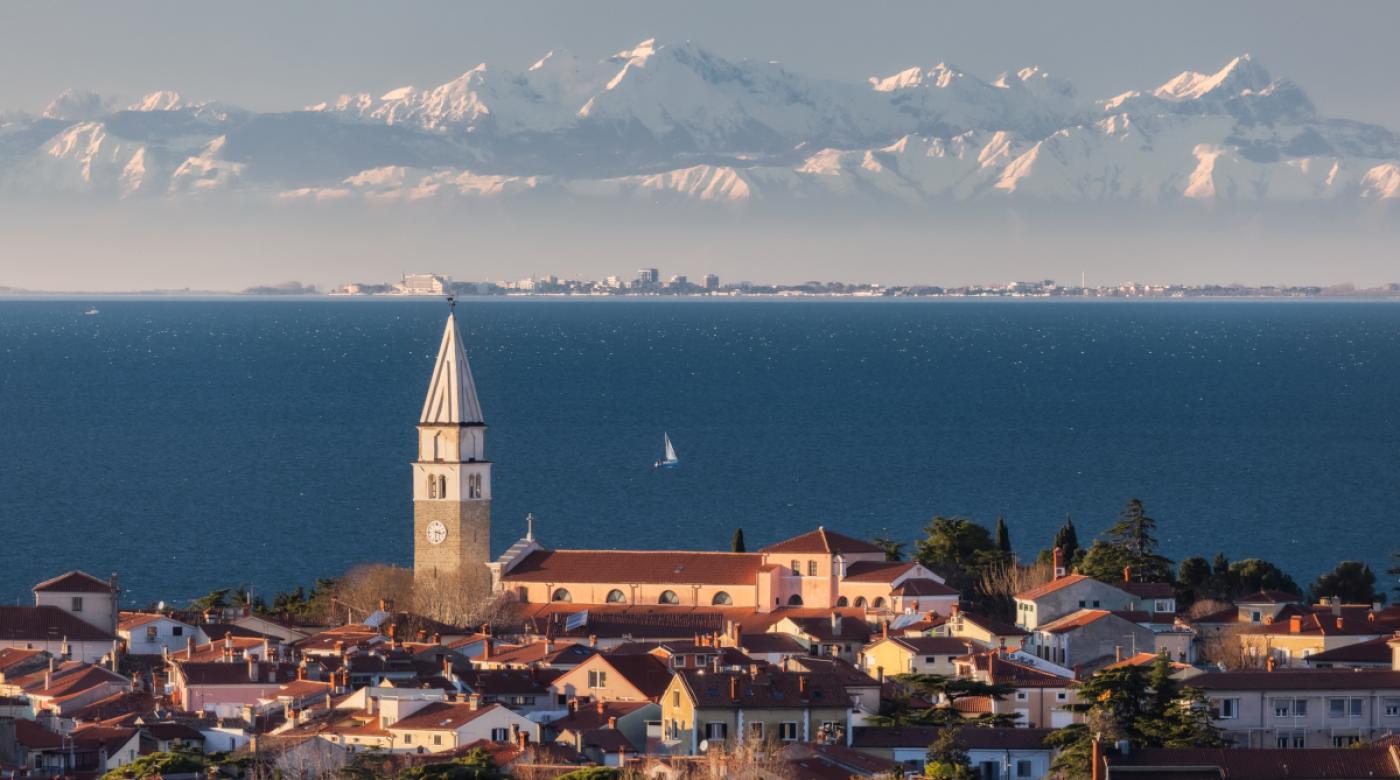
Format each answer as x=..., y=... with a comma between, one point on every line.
x=675, y=122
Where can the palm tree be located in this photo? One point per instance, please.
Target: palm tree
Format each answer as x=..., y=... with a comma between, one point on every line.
x=894, y=551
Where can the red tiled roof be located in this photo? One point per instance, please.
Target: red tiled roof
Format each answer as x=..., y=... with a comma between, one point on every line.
x=1005, y=670
x=990, y=625
x=47, y=624
x=1270, y=763
x=1324, y=624
x=442, y=716
x=769, y=688
x=876, y=571
x=11, y=657
x=1299, y=679
x=1074, y=620
x=69, y=678
x=642, y=566
x=608, y=740
x=845, y=671
x=1375, y=651
x=770, y=643
x=1144, y=659
x=821, y=628
x=822, y=542
x=541, y=652
x=932, y=645
x=74, y=582
x=595, y=715
x=1051, y=586
x=922, y=586
x=645, y=672
x=235, y=673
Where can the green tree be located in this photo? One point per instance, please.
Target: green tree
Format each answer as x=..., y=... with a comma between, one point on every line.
x=181, y=759
x=946, y=759
x=956, y=548
x=592, y=773
x=1252, y=575
x=215, y=599
x=894, y=551
x=1067, y=540
x=1352, y=581
x=1003, y=539
x=1395, y=571
x=941, y=693
x=1129, y=544
x=1193, y=575
x=737, y=543
x=475, y=765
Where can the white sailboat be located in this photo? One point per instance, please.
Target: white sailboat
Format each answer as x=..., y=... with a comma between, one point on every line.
x=670, y=460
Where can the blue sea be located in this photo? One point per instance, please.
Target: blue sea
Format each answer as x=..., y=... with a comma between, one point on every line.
x=194, y=444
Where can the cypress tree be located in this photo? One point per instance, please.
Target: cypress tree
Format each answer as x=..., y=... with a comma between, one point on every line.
x=737, y=543
x=1067, y=539
x=1003, y=538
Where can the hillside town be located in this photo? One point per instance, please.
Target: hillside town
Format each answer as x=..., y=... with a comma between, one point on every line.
x=822, y=655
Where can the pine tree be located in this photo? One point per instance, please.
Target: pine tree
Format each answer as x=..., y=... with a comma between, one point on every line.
x=1003, y=538
x=1067, y=540
x=894, y=551
x=737, y=543
x=946, y=759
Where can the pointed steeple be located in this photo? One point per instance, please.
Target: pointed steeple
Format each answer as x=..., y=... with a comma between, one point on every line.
x=452, y=393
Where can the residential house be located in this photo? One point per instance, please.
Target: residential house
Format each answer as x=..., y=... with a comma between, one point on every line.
x=630, y=677
x=151, y=633
x=85, y=597
x=1039, y=695
x=1260, y=764
x=1303, y=708
x=544, y=653
x=62, y=689
x=985, y=631
x=913, y=655
x=720, y=707
x=994, y=753
x=1066, y=594
x=836, y=636
x=638, y=722
x=1300, y=632
x=442, y=726
x=226, y=687
x=1090, y=639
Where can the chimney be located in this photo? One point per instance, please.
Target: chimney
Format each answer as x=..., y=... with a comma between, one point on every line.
x=474, y=701
x=612, y=723
x=548, y=645
x=301, y=672
x=734, y=688
x=835, y=624
x=267, y=649
x=486, y=648
x=1336, y=602
x=48, y=676
x=880, y=674
x=189, y=647
x=1059, y=556
x=1127, y=574
x=447, y=666
x=573, y=705
x=885, y=630
x=592, y=640
x=522, y=739
x=954, y=610
x=252, y=669
x=1118, y=653
x=1096, y=756
x=1295, y=624
x=714, y=663
x=1339, y=624
x=598, y=705
x=1270, y=663
x=802, y=684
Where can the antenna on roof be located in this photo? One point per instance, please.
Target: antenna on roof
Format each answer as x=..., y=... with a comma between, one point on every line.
x=530, y=526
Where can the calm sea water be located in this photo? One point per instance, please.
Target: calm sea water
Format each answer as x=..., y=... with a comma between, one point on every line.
x=194, y=444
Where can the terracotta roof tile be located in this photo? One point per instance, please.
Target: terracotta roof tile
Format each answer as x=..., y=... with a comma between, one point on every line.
x=932, y=645
x=1074, y=620
x=769, y=688
x=74, y=582
x=643, y=566
x=1299, y=679
x=442, y=716
x=876, y=571
x=1271, y=763
x=1051, y=586
x=1375, y=651
x=47, y=624
x=924, y=587
x=822, y=542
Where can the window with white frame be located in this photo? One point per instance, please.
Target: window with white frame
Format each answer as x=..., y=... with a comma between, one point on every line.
x=716, y=730
x=1227, y=709
x=1391, y=707
x=787, y=731
x=597, y=678
x=1025, y=768
x=500, y=735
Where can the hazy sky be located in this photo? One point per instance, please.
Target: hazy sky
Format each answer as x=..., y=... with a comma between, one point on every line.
x=277, y=55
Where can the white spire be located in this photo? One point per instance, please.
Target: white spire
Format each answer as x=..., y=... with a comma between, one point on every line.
x=452, y=393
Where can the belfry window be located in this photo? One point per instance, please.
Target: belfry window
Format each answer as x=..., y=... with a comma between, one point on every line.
x=432, y=486
x=474, y=486
x=616, y=596
x=441, y=486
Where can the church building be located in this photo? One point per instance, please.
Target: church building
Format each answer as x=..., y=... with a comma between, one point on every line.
x=451, y=476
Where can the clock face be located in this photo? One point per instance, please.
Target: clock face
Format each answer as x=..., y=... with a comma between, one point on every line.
x=437, y=532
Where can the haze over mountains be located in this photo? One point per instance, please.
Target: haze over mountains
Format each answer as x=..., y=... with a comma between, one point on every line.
x=674, y=122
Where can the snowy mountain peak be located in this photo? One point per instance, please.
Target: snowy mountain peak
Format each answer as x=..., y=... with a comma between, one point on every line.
x=639, y=53
x=1239, y=76
x=78, y=104
x=940, y=76
x=161, y=100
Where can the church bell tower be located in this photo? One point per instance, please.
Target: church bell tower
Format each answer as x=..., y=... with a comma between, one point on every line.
x=452, y=477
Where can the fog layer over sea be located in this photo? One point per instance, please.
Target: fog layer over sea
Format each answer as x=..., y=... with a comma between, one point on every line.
x=194, y=444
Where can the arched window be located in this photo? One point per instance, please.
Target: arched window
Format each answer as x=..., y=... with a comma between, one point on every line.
x=560, y=594
x=616, y=596
x=432, y=486
x=474, y=486
x=860, y=601
x=721, y=599
x=878, y=602
x=437, y=446
x=668, y=597
x=841, y=602
x=795, y=601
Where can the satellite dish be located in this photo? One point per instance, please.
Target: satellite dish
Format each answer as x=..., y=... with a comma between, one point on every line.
x=704, y=746
x=160, y=607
